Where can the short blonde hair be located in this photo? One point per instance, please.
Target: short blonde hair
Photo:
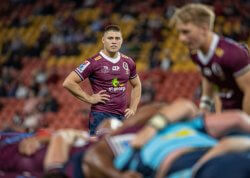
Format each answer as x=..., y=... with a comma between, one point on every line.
x=194, y=13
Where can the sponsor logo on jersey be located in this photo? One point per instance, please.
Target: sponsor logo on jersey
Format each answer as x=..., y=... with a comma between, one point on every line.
x=105, y=69
x=115, y=68
x=117, y=86
x=83, y=66
x=115, y=82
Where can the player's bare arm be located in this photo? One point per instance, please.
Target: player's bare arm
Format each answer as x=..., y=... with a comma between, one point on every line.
x=59, y=147
x=57, y=153
x=72, y=84
x=243, y=82
x=207, y=95
x=135, y=96
x=30, y=145
x=178, y=110
x=221, y=124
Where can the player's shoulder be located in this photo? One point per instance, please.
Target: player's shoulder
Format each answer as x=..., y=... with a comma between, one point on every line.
x=127, y=58
x=232, y=47
x=93, y=60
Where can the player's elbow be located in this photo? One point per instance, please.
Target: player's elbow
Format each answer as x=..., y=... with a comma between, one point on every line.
x=66, y=83
x=191, y=108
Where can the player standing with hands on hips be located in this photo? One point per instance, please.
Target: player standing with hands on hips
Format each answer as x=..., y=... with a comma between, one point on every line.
x=108, y=72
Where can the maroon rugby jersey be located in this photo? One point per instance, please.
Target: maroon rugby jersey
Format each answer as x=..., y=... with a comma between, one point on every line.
x=225, y=61
x=112, y=75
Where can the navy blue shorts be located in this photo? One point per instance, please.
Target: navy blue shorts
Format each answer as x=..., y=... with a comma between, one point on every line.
x=187, y=160
x=231, y=165
x=97, y=117
x=182, y=166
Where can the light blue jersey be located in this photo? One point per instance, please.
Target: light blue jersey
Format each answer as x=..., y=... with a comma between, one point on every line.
x=174, y=137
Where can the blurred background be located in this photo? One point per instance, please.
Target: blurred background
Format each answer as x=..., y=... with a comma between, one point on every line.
x=42, y=41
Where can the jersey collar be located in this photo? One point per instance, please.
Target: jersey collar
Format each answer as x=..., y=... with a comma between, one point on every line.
x=205, y=58
x=110, y=59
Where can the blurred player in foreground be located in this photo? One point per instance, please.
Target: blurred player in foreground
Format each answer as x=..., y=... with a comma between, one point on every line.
x=171, y=148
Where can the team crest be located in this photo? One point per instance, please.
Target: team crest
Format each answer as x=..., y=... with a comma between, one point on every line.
x=83, y=66
x=125, y=66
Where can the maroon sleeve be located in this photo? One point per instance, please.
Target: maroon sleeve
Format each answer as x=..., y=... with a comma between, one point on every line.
x=132, y=68
x=238, y=61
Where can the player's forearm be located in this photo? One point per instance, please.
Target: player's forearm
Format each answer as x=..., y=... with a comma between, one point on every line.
x=57, y=153
x=207, y=88
x=218, y=104
x=75, y=89
x=207, y=98
x=246, y=101
x=135, y=97
x=179, y=110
